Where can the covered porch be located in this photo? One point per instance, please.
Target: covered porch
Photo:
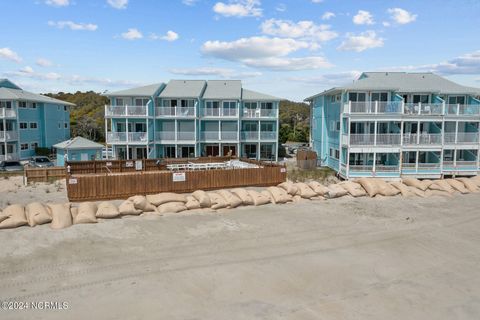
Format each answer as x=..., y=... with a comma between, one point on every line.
x=374, y=164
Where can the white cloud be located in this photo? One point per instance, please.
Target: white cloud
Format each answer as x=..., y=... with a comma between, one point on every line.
x=361, y=42
x=281, y=7
x=307, y=30
x=239, y=8
x=363, y=17
x=252, y=48
x=9, y=54
x=468, y=63
x=118, y=4
x=263, y=52
x=189, y=2
x=44, y=62
x=58, y=3
x=169, y=36
x=402, y=16
x=328, y=15
x=73, y=25
x=218, y=72
x=132, y=34
x=28, y=72
x=386, y=24
x=317, y=1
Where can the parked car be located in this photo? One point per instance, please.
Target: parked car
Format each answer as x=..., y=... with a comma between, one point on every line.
x=41, y=162
x=10, y=166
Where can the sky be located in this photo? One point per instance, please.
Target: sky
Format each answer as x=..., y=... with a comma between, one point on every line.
x=288, y=48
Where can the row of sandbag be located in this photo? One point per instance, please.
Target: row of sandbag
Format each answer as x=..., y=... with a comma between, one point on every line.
x=64, y=215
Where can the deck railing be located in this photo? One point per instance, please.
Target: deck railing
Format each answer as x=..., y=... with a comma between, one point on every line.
x=186, y=135
x=122, y=111
x=7, y=113
x=165, y=135
x=175, y=111
x=422, y=138
x=462, y=109
x=8, y=135
x=220, y=112
x=118, y=137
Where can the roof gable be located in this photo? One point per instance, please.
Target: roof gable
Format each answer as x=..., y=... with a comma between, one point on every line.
x=78, y=143
x=183, y=89
x=5, y=83
x=223, y=89
x=144, y=91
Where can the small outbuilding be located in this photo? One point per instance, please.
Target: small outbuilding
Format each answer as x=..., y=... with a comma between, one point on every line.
x=78, y=149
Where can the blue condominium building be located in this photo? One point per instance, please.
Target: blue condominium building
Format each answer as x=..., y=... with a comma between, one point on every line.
x=29, y=120
x=191, y=118
x=394, y=124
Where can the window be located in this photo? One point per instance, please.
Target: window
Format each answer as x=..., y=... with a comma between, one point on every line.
x=120, y=102
x=420, y=98
x=33, y=125
x=66, y=125
x=58, y=108
x=250, y=150
x=187, y=103
x=250, y=105
x=229, y=108
x=266, y=127
x=140, y=102
x=266, y=151
x=34, y=145
x=456, y=100
x=33, y=105
x=334, y=153
x=357, y=96
x=23, y=125
x=64, y=108
x=6, y=104
x=169, y=152
x=212, y=108
x=337, y=127
x=22, y=104
x=380, y=96
x=24, y=146
x=334, y=125
x=59, y=125
x=266, y=105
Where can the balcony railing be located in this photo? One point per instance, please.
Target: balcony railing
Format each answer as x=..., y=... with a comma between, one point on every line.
x=386, y=168
x=462, y=109
x=210, y=135
x=360, y=168
x=423, y=109
x=268, y=135
x=9, y=156
x=165, y=135
x=449, y=165
x=258, y=113
x=421, y=166
x=7, y=113
x=130, y=137
x=374, y=107
x=229, y=135
x=175, y=111
x=8, y=135
x=220, y=112
x=381, y=139
x=123, y=111
x=249, y=135
x=187, y=135
x=461, y=137
x=422, y=138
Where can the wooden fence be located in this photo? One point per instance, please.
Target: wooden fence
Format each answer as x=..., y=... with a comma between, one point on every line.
x=44, y=174
x=306, y=159
x=107, y=186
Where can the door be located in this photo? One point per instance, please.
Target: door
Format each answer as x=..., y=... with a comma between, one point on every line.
x=212, y=151
x=230, y=150
x=84, y=156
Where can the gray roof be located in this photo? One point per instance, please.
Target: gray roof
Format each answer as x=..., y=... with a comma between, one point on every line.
x=183, y=89
x=223, y=89
x=250, y=95
x=145, y=91
x=10, y=91
x=78, y=143
x=405, y=82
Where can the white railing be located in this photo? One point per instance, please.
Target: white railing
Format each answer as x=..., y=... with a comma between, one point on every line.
x=127, y=137
x=210, y=135
x=388, y=106
x=361, y=168
x=9, y=156
x=165, y=135
x=462, y=109
x=122, y=111
x=186, y=135
x=388, y=139
x=386, y=168
x=375, y=107
x=467, y=137
x=428, y=166
x=8, y=135
x=249, y=135
x=268, y=135
x=465, y=163
x=7, y=113
x=449, y=137
x=409, y=166
x=422, y=138
x=229, y=135
x=220, y=112
x=258, y=113
x=175, y=111
x=362, y=139
x=423, y=108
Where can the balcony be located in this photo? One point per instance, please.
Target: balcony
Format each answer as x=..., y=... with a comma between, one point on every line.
x=420, y=167
x=462, y=110
x=259, y=113
x=217, y=136
x=124, y=137
x=422, y=139
x=186, y=135
x=229, y=135
x=373, y=107
x=126, y=111
x=181, y=112
x=268, y=135
x=220, y=112
x=249, y=135
x=461, y=137
x=8, y=113
x=165, y=136
x=9, y=156
x=8, y=135
x=381, y=139
x=435, y=109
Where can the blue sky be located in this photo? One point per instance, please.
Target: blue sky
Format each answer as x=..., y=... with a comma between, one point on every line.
x=287, y=48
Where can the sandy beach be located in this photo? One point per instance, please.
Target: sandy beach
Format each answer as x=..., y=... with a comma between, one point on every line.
x=381, y=258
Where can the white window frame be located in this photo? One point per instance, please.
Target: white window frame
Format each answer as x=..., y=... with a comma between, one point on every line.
x=33, y=123
x=23, y=123
x=32, y=147
x=22, y=104
x=32, y=105
x=22, y=145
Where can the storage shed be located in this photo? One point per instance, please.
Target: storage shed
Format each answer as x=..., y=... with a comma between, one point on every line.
x=78, y=149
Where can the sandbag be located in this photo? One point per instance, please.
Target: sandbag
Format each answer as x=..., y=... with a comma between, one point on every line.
x=476, y=180
x=457, y=185
x=244, y=196
x=164, y=197
x=258, y=198
x=433, y=192
x=61, y=215
x=421, y=185
x=267, y=194
x=469, y=185
x=107, y=210
x=172, y=207
x=217, y=201
x=13, y=217
x=442, y=185
x=369, y=185
x=417, y=192
x=289, y=187
x=86, y=213
x=318, y=188
x=279, y=195
x=404, y=189
x=127, y=208
x=141, y=203
x=304, y=190
x=385, y=189
x=203, y=198
x=297, y=198
x=335, y=191
x=232, y=200
x=192, y=203
x=353, y=188
x=37, y=214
